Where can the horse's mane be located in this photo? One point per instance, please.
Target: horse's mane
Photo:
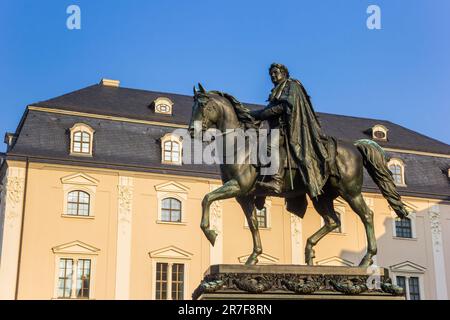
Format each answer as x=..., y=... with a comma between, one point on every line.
x=242, y=112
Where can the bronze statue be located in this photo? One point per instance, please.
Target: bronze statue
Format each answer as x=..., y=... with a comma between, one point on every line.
x=328, y=168
x=290, y=109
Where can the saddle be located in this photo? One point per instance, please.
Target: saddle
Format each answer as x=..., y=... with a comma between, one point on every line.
x=297, y=205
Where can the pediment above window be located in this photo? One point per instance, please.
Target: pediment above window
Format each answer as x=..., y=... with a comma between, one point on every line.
x=407, y=267
x=80, y=179
x=170, y=252
x=335, y=261
x=262, y=259
x=75, y=247
x=173, y=187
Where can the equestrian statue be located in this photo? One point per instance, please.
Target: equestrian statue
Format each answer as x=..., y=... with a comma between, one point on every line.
x=310, y=163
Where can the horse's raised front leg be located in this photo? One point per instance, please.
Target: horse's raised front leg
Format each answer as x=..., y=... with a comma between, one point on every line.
x=230, y=189
x=248, y=205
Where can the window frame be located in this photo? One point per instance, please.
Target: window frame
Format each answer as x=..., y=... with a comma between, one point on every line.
x=163, y=102
x=412, y=218
x=169, y=278
x=78, y=203
x=83, y=129
x=175, y=190
x=398, y=163
x=398, y=226
x=172, y=198
x=407, y=277
x=172, y=139
x=380, y=127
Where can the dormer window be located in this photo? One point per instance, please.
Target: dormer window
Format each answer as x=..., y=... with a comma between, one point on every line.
x=397, y=168
x=81, y=139
x=163, y=105
x=379, y=132
x=171, y=147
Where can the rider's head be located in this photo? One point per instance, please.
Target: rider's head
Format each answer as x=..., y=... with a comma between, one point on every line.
x=278, y=72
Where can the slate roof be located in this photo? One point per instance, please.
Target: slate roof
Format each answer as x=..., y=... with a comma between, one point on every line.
x=136, y=146
x=135, y=104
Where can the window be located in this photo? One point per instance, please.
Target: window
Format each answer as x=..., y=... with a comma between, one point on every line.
x=396, y=166
x=379, y=132
x=169, y=279
x=81, y=138
x=81, y=142
x=66, y=278
x=161, y=281
x=75, y=264
x=171, y=151
x=78, y=203
x=163, y=105
x=396, y=173
x=403, y=228
x=412, y=290
x=177, y=281
x=83, y=278
x=171, y=210
x=261, y=216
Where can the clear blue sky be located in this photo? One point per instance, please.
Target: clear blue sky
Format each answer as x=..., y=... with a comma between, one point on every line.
x=400, y=73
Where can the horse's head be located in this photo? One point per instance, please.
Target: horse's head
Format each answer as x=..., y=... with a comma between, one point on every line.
x=205, y=111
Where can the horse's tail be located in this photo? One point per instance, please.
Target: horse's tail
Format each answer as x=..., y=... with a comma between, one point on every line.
x=375, y=163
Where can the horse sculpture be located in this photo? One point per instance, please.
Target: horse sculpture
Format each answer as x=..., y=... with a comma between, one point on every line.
x=215, y=110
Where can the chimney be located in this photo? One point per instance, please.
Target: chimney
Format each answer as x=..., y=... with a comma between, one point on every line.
x=110, y=83
x=10, y=139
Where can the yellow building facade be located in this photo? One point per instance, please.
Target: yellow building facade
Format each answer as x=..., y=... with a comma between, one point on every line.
x=74, y=226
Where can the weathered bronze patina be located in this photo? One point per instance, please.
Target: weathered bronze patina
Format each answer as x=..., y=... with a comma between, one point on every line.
x=324, y=167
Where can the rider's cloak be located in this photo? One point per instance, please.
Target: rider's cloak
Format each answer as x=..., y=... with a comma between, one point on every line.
x=306, y=140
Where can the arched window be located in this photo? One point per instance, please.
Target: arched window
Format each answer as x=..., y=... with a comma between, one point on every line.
x=403, y=228
x=171, y=210
x=397, y=168
x=81, y=138
x=171, y=147
x=78, y=203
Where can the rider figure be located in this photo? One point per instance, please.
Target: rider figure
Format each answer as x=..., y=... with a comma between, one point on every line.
x=290, y=110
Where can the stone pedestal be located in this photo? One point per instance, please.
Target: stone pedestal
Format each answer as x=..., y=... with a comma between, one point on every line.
x=295, y=282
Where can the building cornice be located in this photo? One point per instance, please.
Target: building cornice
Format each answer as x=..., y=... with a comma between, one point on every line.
x=420, y=153
x=178, y=172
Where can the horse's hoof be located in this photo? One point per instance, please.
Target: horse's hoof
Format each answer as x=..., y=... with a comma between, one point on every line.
x=211, y=235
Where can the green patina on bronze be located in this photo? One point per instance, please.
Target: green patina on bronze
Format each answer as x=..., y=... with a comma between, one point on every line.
x=324, y=168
